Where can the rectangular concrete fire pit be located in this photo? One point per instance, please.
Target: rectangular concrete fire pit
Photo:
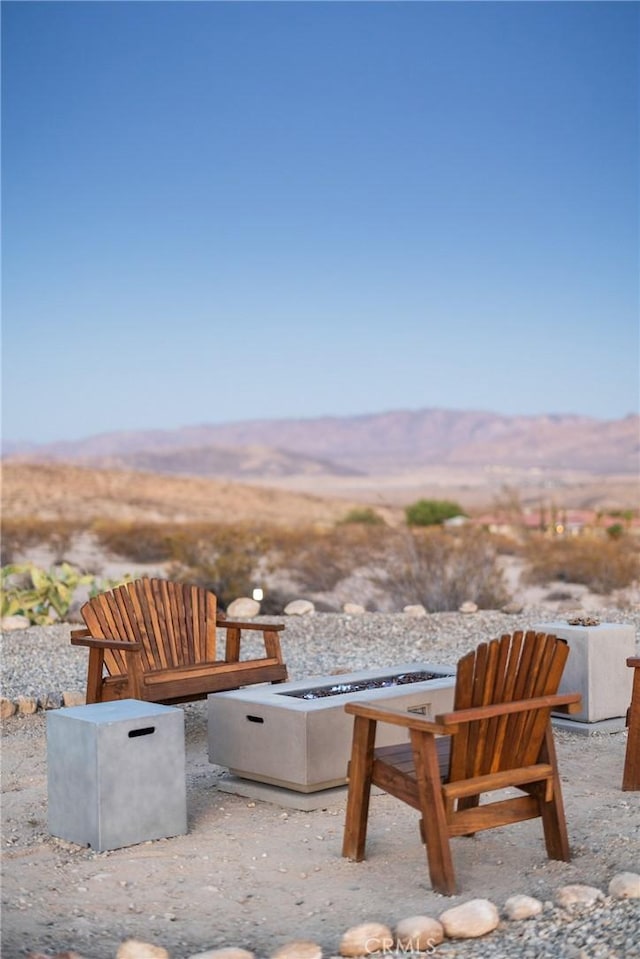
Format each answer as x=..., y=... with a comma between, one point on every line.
x=298, y=736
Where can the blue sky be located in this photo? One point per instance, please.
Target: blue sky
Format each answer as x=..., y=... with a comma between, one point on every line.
x=226, y=211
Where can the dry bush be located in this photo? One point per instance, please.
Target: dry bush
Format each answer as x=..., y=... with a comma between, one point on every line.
x=224, y=559
x=139, y=542
x=441, y=569
x=19, y=535
x=319, y=559
x=602, y=564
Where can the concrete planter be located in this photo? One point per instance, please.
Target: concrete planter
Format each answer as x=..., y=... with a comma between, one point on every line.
x=270, y=735
x=597, y=668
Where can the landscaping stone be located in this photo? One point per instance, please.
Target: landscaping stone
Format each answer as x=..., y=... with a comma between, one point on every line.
x=419, y=933
x=299, y=949
x=522, y=907
x=367, y=938
x=9, y=623
x=51, y=700
x=299, y=607
x=577, y=895
x=625, y=885
x=470, y=920
x=27, y=705
x=416, y=611
x=7, y=708
x=225, y=953
x=73, y=698
x=243, y=608
x=468, y=607
x=353, y=609
x=137, y=949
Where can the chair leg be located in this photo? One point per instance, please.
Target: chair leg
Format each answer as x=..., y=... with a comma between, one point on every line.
x=94, y=676
x=468, y=802
x=360, y=772
x=631, y=773
x=552, y=812
x=434, y=827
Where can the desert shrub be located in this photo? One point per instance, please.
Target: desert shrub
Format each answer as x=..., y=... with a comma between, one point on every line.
x=431, y=512
x=139, y=542
x=366, y=516
x=443, y=569
x=319, y=559
x=602, y=564
x=18, y=535
x=41, y=595
x=615, y=531
x=224, y=559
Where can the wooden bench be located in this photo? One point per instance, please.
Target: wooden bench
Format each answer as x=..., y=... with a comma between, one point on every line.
x=155, y=640
x=631, y=774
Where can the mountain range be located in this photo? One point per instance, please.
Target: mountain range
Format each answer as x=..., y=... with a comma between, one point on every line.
x=367, y=445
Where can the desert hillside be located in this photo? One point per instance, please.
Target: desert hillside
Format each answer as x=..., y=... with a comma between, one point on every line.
x=63, y=491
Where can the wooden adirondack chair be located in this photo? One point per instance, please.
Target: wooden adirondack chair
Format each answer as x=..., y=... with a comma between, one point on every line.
x=498, y=736
x=631, y=774
x=155, y=640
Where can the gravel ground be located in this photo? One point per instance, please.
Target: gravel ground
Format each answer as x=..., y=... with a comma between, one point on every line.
x=40, y=661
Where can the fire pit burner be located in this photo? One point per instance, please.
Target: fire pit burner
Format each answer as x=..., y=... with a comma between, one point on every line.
x=382, y=682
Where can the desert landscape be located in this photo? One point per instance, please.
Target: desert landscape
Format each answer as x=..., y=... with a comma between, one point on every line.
x=254, y=875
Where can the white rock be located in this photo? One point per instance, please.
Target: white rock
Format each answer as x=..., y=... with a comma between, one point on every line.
x=468, y=607
x=522, y=907
x=299, y=949
x=353, y=609
x=243, y=608
x=417, y=610
x=577, y=895
x=227, y=953
x=625, y=885
x=14, y=622
x=418, y=933
x=137, y=949
x=299, y=607
x=514, y=608
x=366, y=938
x=470, y=920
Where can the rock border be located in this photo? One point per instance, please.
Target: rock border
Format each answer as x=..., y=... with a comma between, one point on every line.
x=415, y=935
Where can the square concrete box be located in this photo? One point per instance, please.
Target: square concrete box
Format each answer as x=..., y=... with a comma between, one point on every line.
x=271, y=734
x=596, y=667
x=116, y=773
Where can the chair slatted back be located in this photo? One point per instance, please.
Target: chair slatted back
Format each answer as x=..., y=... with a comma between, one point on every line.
x=175, y=623
x=514, y=667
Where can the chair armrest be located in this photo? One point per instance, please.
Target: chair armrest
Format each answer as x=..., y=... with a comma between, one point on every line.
x=232, y=624
x=399, y=718
x=571, y=701
x=82, y=637
x=634, y=661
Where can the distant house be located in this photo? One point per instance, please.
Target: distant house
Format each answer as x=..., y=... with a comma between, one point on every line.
x=555, y=522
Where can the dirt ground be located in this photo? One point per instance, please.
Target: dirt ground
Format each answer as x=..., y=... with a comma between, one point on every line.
x=256, y=875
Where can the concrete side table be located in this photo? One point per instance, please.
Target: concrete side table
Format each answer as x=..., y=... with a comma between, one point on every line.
x=116, y=773
x=597, y=668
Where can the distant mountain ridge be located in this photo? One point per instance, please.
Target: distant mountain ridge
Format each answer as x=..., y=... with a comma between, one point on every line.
x=367, y=444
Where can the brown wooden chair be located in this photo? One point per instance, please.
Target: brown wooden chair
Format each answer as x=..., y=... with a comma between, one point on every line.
x=155, y=640
x=631, y=774
x=498, y=736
